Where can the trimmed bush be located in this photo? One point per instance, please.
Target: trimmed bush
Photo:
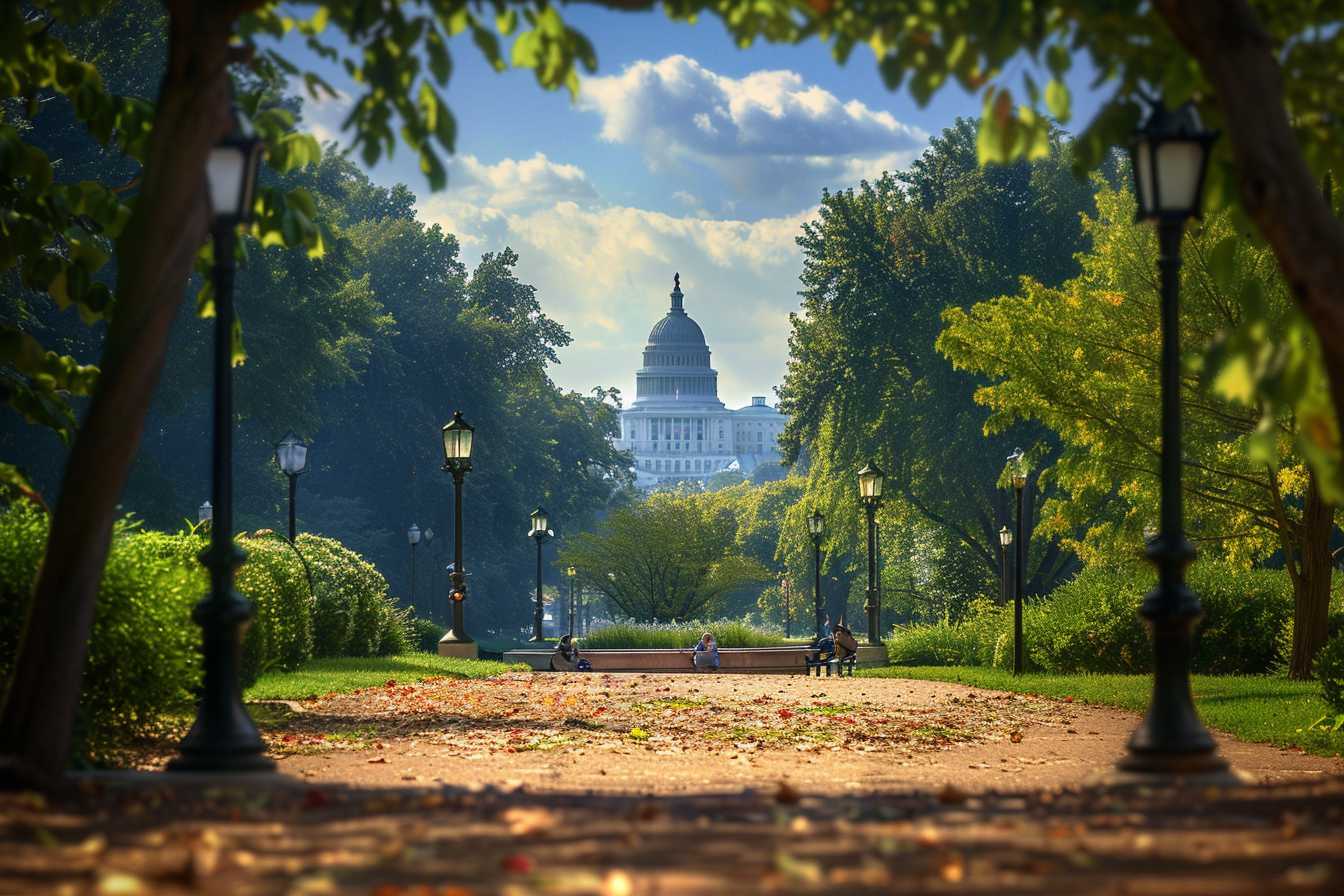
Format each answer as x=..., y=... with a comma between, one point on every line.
x=426, y=633
x=1091, y=624
x=1330, y=670
x=353, y=614
x=144, y=663
x=682, y=635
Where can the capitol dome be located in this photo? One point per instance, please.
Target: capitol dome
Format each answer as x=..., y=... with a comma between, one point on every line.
x=676, y=360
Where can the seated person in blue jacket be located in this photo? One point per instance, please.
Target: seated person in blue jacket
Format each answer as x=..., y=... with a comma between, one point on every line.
x=566, y=656
x=705, y=657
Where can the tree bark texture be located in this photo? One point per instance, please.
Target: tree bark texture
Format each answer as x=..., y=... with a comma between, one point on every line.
x=1278, y=190
x=1311, y=609
x=168, y=224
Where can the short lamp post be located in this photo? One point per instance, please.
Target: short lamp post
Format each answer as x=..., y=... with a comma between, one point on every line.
x=1005, y=542
x=539, y=533
x=815, y=526
x=223, y=737
x=1018, y=473
x=1170, y=155
x=428, y=536
x=870, y=493
x=204, y=514
x=571, y=572
x=458, y=440
x=413, y=536
x=291, y=455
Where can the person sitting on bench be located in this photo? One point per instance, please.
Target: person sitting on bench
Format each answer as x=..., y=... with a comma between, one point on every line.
x=566, y=656
x=846, y=645
x=705, y=657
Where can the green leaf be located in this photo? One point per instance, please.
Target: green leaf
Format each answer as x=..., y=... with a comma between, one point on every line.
x=1057, y=100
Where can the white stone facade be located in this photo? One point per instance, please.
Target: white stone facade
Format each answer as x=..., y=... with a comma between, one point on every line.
x=676, y=428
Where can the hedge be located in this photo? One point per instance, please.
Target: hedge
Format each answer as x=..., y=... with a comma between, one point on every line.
x=1091, y=624
x=143, y=664
x=727, y=632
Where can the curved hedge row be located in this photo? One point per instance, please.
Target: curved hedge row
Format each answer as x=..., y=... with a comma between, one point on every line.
x=1091, y=624
x=143, y=661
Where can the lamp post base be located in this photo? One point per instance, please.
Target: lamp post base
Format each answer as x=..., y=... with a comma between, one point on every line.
x=227, y=744
x=463, y=648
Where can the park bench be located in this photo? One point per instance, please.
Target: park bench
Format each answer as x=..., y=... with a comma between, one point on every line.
x=829, y=662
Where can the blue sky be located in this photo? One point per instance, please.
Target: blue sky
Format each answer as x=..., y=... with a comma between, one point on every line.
x=683, y=153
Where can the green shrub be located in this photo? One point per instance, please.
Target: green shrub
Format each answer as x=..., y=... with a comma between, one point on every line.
x=143, y=661
x=353, y=614
x=683, y=635
x=280, y=636
x=427, y=633
x=1091, y=624
x=1330, y=670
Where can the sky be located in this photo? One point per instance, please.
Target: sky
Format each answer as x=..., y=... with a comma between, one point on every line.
x=683, y=153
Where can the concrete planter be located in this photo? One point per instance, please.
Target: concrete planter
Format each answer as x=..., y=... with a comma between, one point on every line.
x=749, y=660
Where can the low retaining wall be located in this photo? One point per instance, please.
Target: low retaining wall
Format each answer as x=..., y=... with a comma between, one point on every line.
x=749, y=660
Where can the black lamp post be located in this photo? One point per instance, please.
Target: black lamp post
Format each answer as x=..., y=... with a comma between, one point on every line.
x=223, y=737
x=1170, y=155
x=413, y=536
x=539, y=533
x=786, y=591
x=291, y=455
x=571, y=572
x=1019, y=477
x=1005, y=541
x=870, y=492
x=815, y=524
x=428, y=536
x=458, y=438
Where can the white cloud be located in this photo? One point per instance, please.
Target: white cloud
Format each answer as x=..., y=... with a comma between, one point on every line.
x=529, y=183
x=605, y=271
x=770, y=135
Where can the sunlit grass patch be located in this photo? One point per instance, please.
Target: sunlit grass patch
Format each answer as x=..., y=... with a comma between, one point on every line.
x=342, y=675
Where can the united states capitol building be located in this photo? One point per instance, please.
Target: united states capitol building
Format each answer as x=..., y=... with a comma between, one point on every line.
x=676, y=428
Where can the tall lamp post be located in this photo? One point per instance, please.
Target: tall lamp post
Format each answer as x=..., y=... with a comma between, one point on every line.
x=223, y=737
x=571, y=572
x=1018, y=473
x=539, y=533
x=815, y=524
x=786, y=591
x=1169, y=155
x=1005, y=541
x=291, y=456
x=428, y=536
x=870, y=492
x=458, y=438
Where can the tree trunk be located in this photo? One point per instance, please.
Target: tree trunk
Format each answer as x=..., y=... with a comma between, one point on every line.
x=1311, y=605
x=154, y=256
x=1278, y=190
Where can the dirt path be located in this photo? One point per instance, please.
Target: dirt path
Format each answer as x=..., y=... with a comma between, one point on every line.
x=700, y=733
x=659, y=785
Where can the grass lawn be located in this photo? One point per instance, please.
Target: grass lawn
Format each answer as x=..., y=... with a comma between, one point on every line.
x=1250, y=707
x=344, y=674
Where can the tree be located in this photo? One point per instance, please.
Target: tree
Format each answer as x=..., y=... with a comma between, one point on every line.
x=1082, y=359
x=864, y=380
x=670, y=557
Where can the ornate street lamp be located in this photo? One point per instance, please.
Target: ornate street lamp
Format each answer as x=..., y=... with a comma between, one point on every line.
x=458, y=439
x=428, y=536
x=571, y=572
x=291, y=455
x=223, y=737
x=540, y=533
x=815, y=525
x=413, y=536
x=1005, y=541
x=1170, y=155
x=870, y=492
x=1018, y=473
